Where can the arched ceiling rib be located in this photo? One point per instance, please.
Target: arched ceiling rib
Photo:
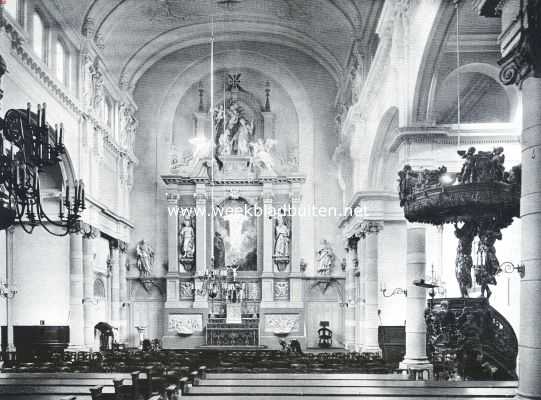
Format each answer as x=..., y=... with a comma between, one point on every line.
x=177, y=39
x=129, y=29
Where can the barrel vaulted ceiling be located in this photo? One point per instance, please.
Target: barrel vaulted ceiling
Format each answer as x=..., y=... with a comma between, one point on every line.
x=135, y=34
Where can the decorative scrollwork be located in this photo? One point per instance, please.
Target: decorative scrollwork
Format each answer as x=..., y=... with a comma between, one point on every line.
x=470, y=339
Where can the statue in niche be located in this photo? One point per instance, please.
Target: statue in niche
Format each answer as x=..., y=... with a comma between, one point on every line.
x=464, y=262
x=187, y=239
x=145, y=258
x=281, y=238
x=219, y=250
x=325, y=258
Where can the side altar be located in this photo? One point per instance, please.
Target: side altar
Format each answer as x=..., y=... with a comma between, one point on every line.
x=234, y=275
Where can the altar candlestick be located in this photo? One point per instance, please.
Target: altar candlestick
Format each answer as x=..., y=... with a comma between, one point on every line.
x=39, y=115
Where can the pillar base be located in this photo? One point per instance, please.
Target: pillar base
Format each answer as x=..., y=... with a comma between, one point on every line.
x=371, y=350
x=420, y=365
x=519, y=396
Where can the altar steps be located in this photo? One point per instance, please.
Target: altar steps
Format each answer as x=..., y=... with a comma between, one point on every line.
x=284, y=386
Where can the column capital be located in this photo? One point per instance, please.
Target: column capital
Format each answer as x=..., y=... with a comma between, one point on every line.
x=295, y=196
x=371, y=227
x=200, y=197
x=172, y=198
x=522, y=60
x=122, y=246
x=89, y=232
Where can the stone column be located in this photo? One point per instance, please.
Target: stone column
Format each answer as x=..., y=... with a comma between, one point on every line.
x=267, y=292
x=172, y=234
x=530, y=210
x=77, y=338
x=10, y=232
x=521, y=65
x=123, y=291
x=201, y=259
x=361, y=301
x=115, y=284
x=295, y=287
x=350, y=309
x=415, y=357
x=371, y=318
x=90, y=233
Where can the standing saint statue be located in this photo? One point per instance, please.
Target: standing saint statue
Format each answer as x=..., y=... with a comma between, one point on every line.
x=145, y=258
x=219, y=250
x=325, y=258
x=281, y=240
x=187, y=239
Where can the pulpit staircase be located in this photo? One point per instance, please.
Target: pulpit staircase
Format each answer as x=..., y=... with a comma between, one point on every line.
x=469, y=337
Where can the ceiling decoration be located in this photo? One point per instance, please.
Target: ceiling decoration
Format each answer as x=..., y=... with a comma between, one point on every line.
x=126, y=27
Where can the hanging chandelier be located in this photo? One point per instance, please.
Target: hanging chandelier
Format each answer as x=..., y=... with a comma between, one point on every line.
x=28, y=146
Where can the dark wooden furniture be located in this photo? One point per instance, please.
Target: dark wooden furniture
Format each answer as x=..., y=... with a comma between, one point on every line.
x=325, y=335
x=392, y=341
x=39, y=341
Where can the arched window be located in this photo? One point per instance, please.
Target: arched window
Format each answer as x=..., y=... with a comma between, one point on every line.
x=62, y=62
x=11, y=7
x=38, y=35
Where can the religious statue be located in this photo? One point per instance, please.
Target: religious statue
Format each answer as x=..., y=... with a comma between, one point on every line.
x=483, y=166
x=145, y=258
x=464, y=262
x=281, y=239
x=261, y=154
x=489, y=265
x=244, y=134
x=466, y=173
x=234, y=132
x=325, y=258
x=187, y=239
x=219, y=250
x=498, y=159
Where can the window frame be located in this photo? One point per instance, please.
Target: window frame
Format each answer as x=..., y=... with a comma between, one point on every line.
x=44, y=56
x=66, y=61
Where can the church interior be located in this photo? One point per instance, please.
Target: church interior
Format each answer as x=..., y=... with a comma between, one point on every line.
x=270, y=198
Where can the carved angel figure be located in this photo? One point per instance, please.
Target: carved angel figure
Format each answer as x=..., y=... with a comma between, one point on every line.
x=262, y=154
x=145, y=258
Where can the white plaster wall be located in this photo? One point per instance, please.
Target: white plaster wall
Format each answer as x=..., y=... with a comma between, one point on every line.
x=392, y=272
x=41, y=273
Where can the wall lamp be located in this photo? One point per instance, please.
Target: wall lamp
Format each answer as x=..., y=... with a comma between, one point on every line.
x=394, y=292
x=508, y=267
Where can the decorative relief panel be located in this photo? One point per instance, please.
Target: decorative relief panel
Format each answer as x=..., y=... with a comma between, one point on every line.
x=282, y=323
x=252, y=291
x=185, y=323
x=186, y=290
x=281, y=289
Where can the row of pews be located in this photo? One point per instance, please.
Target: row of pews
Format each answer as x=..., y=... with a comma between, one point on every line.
x=317, y=386
x=138, y=385
x=216, y=361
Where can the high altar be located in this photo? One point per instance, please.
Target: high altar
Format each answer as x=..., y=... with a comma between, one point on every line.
x=236, y=280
